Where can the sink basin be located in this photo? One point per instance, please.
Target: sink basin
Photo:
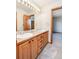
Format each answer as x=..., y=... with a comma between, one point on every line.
x=25, y=35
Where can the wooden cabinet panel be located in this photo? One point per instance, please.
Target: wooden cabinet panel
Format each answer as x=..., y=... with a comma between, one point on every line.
x=17, y=52
x=33, y=48
x=24, y=50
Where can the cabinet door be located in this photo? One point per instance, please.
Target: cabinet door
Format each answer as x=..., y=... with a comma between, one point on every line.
x=17, y=51
x=24, y=50
x=34, y=48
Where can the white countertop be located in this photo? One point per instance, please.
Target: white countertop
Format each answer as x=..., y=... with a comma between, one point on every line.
x=29, y=34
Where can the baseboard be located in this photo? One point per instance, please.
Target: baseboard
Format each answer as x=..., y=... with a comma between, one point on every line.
x=50, y=42
x=57, y=32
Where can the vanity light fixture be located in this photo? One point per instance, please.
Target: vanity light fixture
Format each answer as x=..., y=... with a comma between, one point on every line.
x=30, y=5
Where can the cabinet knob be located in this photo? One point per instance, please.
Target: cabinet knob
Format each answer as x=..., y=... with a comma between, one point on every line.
x=41, y=41
x=32, y=40
x=29, y=41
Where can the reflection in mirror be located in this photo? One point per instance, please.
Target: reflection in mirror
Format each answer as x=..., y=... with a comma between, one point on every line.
x=28, y=22
x=32, y=22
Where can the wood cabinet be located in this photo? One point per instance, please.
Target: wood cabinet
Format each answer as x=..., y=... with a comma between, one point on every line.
x=31, y=49
x=24, y=50
x=17, y=52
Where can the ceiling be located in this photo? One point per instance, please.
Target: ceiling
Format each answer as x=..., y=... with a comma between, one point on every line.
x=43, y=3
x=40, y=4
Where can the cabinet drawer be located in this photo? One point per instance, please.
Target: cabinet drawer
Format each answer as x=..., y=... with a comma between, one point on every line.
x=39, y=49
x=33, y=48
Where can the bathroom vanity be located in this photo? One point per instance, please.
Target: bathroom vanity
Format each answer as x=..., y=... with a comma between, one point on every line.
x=29, y=45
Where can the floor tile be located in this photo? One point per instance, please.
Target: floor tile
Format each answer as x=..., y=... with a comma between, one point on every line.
x=53, y=51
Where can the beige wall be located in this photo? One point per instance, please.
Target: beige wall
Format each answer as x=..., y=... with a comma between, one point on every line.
x=42, y=20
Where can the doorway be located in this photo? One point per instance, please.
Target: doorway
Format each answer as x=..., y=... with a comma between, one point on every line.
x=53, y=27
x=26, y=25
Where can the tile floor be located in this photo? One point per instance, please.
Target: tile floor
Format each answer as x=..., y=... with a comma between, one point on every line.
x=53, y=51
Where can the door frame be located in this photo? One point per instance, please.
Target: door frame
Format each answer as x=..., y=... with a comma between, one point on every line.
x=24, y=21
x=52, y=23
x=51, y=28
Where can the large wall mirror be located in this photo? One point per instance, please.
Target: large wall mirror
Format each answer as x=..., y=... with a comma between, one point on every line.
x=24, y=22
